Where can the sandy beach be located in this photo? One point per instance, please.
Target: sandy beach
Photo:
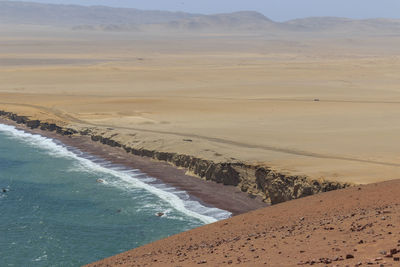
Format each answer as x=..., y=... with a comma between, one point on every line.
x=206, y=192
x=279, y=116
x=239, y=98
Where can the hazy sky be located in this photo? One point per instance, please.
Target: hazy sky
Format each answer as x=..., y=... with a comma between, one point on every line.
x=275, y=9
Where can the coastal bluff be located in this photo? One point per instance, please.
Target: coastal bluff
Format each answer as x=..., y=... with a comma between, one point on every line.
x=357, y=226
x=256, y=180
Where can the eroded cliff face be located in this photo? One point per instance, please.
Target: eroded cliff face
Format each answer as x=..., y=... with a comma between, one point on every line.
x=256, y=180
x=33, y=124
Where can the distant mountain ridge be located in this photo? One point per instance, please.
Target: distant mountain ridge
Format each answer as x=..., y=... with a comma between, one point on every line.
x=130, y=19
x=72, y=15
x=345, y=24
x=243, y=20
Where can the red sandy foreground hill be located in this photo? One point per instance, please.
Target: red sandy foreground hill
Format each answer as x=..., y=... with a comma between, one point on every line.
x=358, y=226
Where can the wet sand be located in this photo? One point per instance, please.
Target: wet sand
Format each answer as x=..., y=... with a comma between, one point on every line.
x=208, y=193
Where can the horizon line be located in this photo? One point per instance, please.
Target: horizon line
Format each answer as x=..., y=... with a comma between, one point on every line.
x=200, y=14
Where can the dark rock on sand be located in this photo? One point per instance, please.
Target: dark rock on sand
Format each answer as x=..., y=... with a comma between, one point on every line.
x=281, y=187
x=260, y=181
x=33, y=124
x=255, y=180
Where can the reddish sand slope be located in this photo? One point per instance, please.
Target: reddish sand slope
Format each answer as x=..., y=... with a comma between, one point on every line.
x=358, y=226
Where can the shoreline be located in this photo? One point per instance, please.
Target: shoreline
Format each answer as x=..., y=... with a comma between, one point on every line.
x=253, y=179
x=207, y=193
x=356, y=226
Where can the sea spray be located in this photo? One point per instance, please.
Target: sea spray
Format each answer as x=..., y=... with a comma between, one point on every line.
x=64, y=207
x=177, y=199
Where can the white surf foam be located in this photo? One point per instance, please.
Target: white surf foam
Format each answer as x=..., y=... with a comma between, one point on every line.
x=179, y=200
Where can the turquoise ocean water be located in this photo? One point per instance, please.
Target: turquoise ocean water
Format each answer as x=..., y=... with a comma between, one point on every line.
x=55, y=213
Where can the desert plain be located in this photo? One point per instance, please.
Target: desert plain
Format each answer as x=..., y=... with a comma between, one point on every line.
x=315, y=97
x=323, y=106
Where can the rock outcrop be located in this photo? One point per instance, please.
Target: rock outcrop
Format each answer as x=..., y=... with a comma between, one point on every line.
x=281, y=187
x=255, y=180
x=273, y=186
x=33, y=124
